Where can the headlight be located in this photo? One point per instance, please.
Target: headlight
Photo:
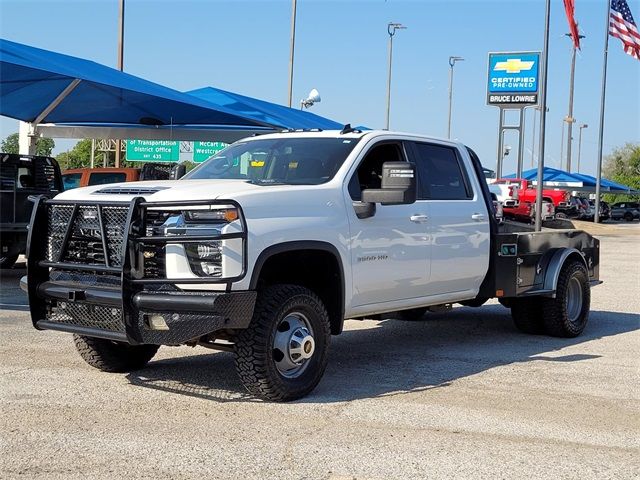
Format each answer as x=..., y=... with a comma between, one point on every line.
x=205, y=259
x=211, y=257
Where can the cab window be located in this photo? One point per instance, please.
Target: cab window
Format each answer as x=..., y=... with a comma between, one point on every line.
x=100, y=178
x=440, y=173
x=71, y=180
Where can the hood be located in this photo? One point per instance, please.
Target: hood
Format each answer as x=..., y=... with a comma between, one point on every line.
x=164, y=190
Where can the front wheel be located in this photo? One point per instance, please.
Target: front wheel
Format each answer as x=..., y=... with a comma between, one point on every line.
x=283, y=353
x=110, y=356
x=628, y=216
x=566, y=315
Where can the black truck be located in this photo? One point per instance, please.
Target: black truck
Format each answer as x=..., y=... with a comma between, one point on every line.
x=20, y=177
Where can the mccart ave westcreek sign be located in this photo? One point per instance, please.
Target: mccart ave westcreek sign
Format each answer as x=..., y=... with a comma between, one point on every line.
x=513, y=79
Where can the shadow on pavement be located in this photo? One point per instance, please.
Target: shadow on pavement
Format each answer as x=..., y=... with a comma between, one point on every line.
x=394, y=357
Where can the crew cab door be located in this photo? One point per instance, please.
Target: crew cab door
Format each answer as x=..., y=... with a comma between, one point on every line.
x=458, y=223
x=389, y=250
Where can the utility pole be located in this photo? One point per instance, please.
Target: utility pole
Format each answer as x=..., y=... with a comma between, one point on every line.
x=570, y=119
x=391, y=30
x=120, y=67
x=292, y=46
x=452, y=62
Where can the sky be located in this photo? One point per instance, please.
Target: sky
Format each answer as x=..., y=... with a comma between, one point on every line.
x=341, y=50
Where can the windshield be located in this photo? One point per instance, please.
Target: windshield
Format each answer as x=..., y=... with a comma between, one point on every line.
x=289, y=161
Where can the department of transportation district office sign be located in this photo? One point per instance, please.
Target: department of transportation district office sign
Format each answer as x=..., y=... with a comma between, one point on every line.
x=171, y=150
x=513, y=79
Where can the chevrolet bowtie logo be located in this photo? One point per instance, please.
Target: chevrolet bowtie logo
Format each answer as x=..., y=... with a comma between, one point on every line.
x=513, y=65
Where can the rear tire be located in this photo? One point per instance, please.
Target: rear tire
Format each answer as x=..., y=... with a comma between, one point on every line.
x=628, y=216
x=283, y=353
x=567, y=314
x=527, y=315
x=8, y=261
x=413, y=314
x=114, y=357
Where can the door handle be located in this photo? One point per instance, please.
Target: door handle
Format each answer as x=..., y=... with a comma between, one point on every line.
x=478, y=217
x=418, y=218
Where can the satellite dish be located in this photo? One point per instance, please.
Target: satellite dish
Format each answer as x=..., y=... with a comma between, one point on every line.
x=314, y=96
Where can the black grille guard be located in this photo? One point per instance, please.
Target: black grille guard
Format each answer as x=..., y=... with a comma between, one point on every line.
x=131, y=272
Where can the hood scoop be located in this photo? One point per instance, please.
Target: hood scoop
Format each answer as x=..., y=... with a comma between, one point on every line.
x=129, y=190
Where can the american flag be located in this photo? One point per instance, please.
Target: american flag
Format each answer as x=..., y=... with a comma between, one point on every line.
x=622, y=26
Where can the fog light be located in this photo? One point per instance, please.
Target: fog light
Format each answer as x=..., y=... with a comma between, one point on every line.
x=156, y=322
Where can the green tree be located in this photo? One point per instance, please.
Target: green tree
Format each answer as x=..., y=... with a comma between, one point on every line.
x=79, y=156
x=623, y=166
x=11, y=144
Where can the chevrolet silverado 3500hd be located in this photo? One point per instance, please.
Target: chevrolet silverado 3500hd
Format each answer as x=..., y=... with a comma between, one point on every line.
x=266, y=249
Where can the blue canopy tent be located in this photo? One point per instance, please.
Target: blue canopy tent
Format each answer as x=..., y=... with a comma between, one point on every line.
x=553, y=177
x=267, y=112
x=82, y=98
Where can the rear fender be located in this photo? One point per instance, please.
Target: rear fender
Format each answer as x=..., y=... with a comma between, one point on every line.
x=555, y=264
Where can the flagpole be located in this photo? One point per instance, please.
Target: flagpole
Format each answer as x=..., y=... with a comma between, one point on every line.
x=596, y=217
x=543, y=116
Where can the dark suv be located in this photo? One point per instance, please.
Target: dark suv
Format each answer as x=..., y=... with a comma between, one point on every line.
x=628, y=211
x=21, y=176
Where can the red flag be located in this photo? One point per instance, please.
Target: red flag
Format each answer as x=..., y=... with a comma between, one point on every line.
x=570, y=9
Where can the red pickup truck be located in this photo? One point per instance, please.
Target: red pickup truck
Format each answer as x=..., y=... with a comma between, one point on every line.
x=527, y=192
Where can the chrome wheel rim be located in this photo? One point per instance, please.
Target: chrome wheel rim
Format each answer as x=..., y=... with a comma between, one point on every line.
x=574, y=299
x=293, y=345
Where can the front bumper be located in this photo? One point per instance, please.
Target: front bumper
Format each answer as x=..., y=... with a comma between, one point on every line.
x=160, y=318
x=119, y=302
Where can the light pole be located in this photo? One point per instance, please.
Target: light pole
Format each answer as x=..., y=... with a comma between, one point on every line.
x=452, y=62
x=584, y=125
x=391, y=30
x=570, y=119
x=120, y=67
x=291, y=49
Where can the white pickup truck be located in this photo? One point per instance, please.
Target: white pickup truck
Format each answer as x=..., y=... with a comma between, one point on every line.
x=266, y=249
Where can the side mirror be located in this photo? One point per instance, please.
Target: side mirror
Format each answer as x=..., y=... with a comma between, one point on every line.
x=398, y=185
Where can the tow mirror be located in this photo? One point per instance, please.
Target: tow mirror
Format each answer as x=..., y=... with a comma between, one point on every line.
x=398, y=185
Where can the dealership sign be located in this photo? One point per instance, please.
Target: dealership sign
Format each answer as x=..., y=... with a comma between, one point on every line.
x=171, y=150
x=513, y=79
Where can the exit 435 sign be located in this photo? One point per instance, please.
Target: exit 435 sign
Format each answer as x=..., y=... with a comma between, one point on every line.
x=513, y=79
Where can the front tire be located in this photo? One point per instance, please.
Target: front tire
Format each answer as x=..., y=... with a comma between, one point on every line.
x=114, y=357
x=283, y=353
x=628, y=216
x=566, y=315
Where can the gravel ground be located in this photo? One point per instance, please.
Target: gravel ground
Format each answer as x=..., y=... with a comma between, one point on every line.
x=460, y=395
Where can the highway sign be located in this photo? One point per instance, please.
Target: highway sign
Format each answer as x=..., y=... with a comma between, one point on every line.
x=153, y=151
x=171, y=151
